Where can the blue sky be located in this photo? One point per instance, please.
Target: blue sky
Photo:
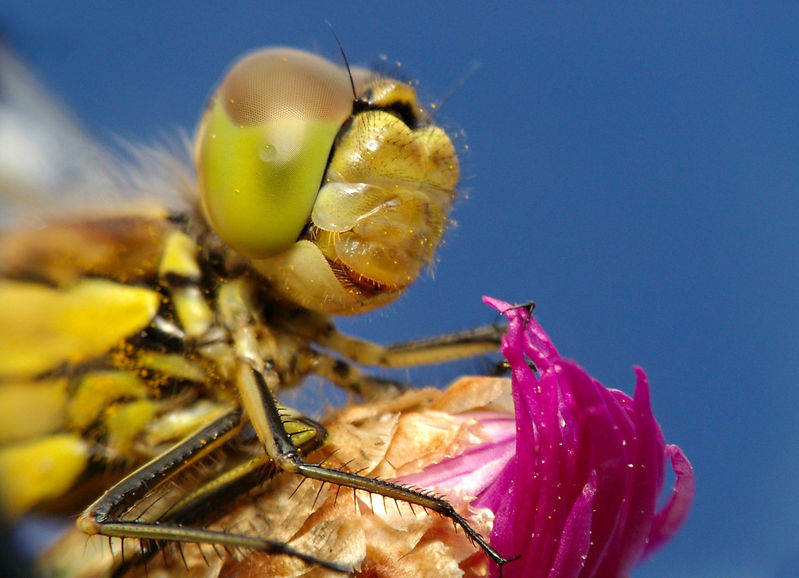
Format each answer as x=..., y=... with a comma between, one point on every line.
x=633, y=170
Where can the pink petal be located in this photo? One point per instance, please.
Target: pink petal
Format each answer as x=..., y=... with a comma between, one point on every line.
x=670, y=519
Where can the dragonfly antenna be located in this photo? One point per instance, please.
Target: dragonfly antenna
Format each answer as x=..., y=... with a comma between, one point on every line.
x=344, y=56
x=473, y=67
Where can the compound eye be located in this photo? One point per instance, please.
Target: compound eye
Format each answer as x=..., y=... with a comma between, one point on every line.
x=263, y=145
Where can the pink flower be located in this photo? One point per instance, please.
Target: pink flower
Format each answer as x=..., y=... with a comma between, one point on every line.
x=578, y=497
x=573, y=481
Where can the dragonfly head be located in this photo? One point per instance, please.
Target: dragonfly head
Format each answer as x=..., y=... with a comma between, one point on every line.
x=338, y=199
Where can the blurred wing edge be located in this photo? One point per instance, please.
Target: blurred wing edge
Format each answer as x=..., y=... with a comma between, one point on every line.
x=51, y=166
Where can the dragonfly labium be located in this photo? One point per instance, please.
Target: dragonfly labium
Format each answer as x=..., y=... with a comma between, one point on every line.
x=147, y=343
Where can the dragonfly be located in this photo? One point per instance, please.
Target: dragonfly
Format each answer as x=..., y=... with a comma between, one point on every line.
x=144, y=345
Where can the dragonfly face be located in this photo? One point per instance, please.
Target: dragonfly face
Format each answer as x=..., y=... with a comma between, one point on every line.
x=340, y=208
x=160, y=336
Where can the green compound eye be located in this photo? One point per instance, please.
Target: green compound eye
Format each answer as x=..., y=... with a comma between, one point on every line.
x=263, y=145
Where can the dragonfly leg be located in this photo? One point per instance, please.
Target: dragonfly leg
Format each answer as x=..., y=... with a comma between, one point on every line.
x=454, y=346
x=126, y=510
x=349, y=377
x=265, y=416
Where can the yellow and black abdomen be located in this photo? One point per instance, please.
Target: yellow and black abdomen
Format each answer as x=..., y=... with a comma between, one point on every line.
x=83, y=379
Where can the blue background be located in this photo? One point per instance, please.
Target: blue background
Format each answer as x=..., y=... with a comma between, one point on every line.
x=632, y=169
